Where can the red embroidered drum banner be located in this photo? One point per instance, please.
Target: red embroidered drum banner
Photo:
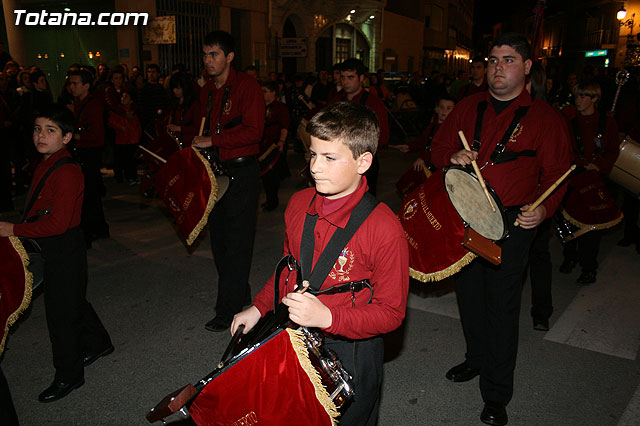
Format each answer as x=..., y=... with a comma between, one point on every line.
x=276, y=384
x=188, y=187
x=434, y=232
x=15, y=283
x=589, y=204
x=411, y=179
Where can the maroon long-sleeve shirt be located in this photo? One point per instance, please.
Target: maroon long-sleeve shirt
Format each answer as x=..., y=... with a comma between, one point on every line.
x=516, y=182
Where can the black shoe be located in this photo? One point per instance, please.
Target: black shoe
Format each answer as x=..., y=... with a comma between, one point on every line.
x=58, y=390
x=567, y=266
x=541, y=324
x=90, y=358
x=218, y=324
x=494, y=414
x=587, y=277
x=462, y=373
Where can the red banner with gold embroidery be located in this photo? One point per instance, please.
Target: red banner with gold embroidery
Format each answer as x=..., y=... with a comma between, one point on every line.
x=15, y=283
x=589, y=204
x=189, y=189
x=276, y=384
x=434, y=232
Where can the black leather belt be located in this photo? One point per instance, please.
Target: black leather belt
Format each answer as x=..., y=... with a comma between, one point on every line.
x=239, y=161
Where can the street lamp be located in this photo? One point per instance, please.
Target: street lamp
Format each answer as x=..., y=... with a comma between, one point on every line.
x=622, y=13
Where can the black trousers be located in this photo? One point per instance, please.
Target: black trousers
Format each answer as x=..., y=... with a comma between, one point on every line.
x=489, y=301
x=363, y=360
x=584, y=250
x=125, y=162
x=540, y=272
x=8, y=415
x=74, y=327
x=93, y=221
x=232, y=225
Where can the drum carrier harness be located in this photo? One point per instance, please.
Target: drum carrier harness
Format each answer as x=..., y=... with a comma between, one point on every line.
x=499, y=156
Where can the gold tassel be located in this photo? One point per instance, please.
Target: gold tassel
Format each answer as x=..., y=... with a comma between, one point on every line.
x=213, y=198
x=298, y=343
x=28, y=286
x=581, y=225
x=447, y=272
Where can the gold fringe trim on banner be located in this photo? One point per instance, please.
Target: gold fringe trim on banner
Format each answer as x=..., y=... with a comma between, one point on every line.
x=28, y=284
x=298, y=343
x=213, y=198
x=581, y=225
x=447, y=272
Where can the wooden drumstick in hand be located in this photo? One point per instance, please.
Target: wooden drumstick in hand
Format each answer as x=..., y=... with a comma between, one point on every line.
x=204, y=119
x=477, y=170
x=546, y=193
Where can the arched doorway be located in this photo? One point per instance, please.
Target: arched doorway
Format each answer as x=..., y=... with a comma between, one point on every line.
x=339, y=42
x=293, y=27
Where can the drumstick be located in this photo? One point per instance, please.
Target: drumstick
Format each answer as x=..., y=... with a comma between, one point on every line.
x=267, y=152
x=202, y=126
x=546, y=193
x=149, y=135
x=477, y=170
x=153, y=154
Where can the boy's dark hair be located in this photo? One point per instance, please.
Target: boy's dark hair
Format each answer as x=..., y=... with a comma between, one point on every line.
x=354, y=64
x=271, y=86
x=538, y=78
x=446, y=97
x=185, y=82
x=34, y=76
x=222, y=39
x=58, y=114
x=516, y=40
x=479, y=59
x=153, y=66
x=353, y=124
x=85, y=76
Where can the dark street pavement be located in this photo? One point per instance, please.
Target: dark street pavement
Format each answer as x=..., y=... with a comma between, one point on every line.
x=154, y=295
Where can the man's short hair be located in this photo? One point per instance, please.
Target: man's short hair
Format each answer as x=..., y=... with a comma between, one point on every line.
x=271, y=86
x=588, y=88
x=153, y=67
x=479, y=59
x=85, y=76
x=517, y=41
x=353, y=124
x=222, y=39
x=353, y=64
x=58, y=114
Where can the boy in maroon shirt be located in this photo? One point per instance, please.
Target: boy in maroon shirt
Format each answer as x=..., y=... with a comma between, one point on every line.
x=344, y=138
x=77, y=335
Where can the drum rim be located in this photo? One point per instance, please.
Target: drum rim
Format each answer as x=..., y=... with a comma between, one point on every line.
x=494, y=196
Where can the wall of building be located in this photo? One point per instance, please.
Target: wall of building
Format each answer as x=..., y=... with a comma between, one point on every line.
x=403, y=36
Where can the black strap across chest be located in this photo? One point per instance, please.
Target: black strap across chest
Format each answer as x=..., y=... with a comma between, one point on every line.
x=365, y=96
x=335, y=246
x=34, y=192
x=602, y=126
x=498, y=155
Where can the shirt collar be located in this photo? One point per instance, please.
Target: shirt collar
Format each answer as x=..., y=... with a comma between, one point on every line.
x=340, y=217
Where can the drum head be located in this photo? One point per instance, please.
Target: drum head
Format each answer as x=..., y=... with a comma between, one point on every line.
x=223, y=184
x=472, y=205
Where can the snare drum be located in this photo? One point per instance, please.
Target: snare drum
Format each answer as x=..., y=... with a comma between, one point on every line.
x=435, y=229
x=626, y=170
x=284, y=379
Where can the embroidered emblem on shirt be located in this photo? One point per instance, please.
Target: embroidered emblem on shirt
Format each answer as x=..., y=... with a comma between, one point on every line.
x=516, y=132
x=343, y=266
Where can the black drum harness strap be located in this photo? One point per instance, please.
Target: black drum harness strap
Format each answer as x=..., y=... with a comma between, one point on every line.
x=602, y=126
x=329, y=255
x=499, y=156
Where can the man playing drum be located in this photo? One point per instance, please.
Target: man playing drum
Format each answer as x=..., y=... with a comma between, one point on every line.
x=232, y=103
x=523, y=147
x=344, y=138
